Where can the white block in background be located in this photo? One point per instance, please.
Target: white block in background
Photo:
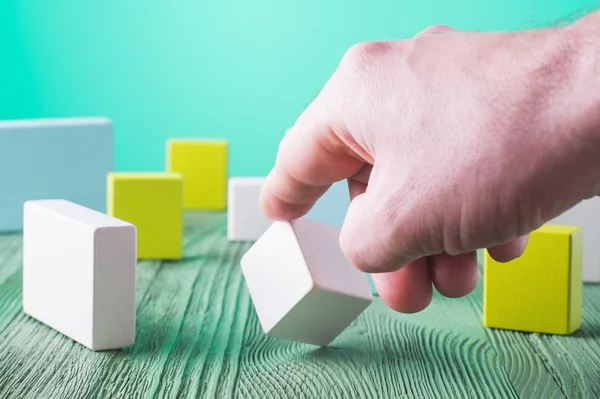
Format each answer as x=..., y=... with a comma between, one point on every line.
x=53, y=158
x=245, y=220
x=302, y=286
x=79, y=273
x=586, y=215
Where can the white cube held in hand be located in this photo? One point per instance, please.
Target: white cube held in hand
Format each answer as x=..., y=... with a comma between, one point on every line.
x=79, y=273
x=302, y=286
x=245, y=220
x=586, y=215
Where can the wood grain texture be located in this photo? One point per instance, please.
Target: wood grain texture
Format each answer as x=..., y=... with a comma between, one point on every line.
x=198, y=336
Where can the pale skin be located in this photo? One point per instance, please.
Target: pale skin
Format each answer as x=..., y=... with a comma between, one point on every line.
x=451, y=141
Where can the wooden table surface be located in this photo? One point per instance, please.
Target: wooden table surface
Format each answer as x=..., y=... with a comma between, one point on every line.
x=198, y=336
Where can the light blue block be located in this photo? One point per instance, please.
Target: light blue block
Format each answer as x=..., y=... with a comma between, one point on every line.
x=332, y=207
x=371, y=284
x=53, y=159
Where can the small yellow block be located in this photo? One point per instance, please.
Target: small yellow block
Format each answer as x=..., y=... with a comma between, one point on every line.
x=153, y=202
x=203, y=164
x=540, y=291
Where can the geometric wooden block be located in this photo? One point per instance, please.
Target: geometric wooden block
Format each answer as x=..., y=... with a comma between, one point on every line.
x=302, y=286
x=331, y=208
x=586, y=215
x=53, y=158
x=203, y=164
x=245, y=220
x=541, y=291
x=153, y=203
x=79, y=273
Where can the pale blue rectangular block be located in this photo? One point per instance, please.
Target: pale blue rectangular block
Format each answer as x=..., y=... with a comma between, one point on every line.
x=331, y=208
x=65, y=158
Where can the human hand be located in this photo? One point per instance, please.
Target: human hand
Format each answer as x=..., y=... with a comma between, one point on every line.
x=451, y=141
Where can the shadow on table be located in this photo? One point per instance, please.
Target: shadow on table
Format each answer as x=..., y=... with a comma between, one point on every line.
x=590, y=329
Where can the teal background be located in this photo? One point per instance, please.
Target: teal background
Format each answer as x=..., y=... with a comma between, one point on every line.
x=239, y=69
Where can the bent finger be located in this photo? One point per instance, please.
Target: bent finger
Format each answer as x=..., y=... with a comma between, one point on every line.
x=407, y=290
x=454, y=275
x=510, y=250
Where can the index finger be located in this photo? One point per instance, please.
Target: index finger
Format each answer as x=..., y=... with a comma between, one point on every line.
x=311, y=157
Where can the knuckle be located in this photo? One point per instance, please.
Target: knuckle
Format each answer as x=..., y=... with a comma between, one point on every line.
x=283, y=148
x=414, y=229
x=399, y=240
x=363, y=54
x=435, y=30
x=456, y=238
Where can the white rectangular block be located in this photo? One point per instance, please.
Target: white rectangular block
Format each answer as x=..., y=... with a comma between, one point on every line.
x=65, y=158
x=245, y=220
x=302, y=286
x=79, y=273
x=586, y=215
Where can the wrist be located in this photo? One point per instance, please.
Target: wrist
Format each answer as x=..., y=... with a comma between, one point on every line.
x=562, y=78
x=584, y=41
x=581, y=100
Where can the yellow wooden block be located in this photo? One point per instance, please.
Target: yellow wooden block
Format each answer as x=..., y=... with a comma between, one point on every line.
x=203, y=164
x=153, y=202
x=540, y=291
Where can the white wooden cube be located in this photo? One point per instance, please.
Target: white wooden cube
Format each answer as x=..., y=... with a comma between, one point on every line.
x=79, y=273
x=302, y=286
x=245, y=220
x=586, y=215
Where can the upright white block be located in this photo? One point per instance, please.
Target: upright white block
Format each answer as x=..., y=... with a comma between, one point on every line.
x=586, y=215
x=245, y=220
x=79, y=273
x=302, y=286
x=53, y=158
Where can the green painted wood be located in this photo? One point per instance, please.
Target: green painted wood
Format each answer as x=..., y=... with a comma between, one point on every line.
x=198, y=336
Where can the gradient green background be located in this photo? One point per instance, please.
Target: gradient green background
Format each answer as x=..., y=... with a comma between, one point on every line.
x=239, y=69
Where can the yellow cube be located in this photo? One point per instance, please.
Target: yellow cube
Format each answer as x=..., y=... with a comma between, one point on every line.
x=153, y=202
x=540, y=291
x=203, y=164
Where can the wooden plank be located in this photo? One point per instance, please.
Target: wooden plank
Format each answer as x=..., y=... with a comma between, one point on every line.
x=574, y=361
x=198, y=336
x=10, y=279
x=10, y=255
